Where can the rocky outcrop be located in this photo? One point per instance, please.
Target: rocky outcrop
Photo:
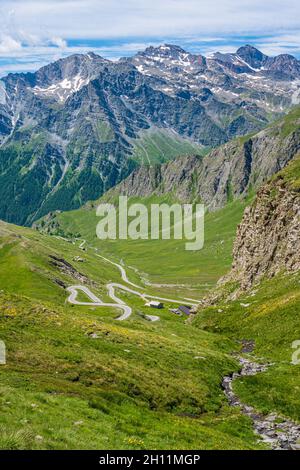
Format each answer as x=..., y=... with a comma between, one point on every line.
x=268, y=240
x=175, y=177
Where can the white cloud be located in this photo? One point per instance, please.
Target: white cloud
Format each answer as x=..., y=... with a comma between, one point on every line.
x=58, y=42
x=9, y=45
x=20, y=67
x=133, y=18
x=19, y=43
x=280, y=44
x=207, y=50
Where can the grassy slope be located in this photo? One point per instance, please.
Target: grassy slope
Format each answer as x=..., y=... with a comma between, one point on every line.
x=289, y=123
x=160, y=145
x=137, y=386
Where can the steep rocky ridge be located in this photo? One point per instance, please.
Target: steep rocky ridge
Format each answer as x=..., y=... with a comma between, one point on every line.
x=226, y=173
x=268, y=238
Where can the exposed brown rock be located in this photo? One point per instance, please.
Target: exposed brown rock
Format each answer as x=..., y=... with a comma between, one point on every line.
x=66, y=268
x=268, y=238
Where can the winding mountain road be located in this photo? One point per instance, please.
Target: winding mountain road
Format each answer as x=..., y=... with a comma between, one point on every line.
x=111, y=288
x=96, y=302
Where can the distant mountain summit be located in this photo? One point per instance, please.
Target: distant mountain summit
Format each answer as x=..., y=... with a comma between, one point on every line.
x=247, y=59
x=165, y=50
x=252, y=56
x=61, y=79
x=80, y=125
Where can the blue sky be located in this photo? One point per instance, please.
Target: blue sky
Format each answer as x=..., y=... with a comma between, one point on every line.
x=36, y=32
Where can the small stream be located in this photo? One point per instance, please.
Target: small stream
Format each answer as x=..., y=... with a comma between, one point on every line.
x=279, y=433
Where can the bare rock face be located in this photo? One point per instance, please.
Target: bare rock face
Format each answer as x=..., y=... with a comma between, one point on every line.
x=268, y=238
x=225, y=174
x=174, y=177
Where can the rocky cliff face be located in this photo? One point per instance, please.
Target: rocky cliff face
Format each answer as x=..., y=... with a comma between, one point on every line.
x=268, y=238
x=175, y=177
x=226, y=173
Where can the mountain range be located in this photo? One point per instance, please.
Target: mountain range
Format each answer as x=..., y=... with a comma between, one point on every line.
x=78, y=126
x=229, y=172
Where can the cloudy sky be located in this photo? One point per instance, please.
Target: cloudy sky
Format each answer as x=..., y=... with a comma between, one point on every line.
x=35, y=32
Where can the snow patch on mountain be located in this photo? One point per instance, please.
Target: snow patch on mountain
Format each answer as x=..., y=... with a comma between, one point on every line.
x=248, y=65
x=296, y=92
x=63, y=89
x=3, y=95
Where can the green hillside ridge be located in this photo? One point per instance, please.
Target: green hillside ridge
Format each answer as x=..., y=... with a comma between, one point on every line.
x=290, y=122
x=161, y=145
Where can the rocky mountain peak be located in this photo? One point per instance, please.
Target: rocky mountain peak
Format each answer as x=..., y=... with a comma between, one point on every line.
x=165, y=50
x=169, y=61
x=285, y=64
x=171, y=54
x=69, y=66
x=62, y=78
x=251, y=56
